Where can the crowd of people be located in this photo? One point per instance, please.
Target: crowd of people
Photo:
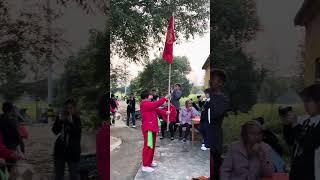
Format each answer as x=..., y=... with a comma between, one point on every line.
x=11, y=140
x=257, y=154
x=67, y=128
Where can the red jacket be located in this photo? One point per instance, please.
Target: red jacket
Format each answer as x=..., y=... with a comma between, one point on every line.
x=6, y=153
x=164, y=116
x=149, y=114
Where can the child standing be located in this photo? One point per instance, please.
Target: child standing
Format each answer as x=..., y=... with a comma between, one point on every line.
x=149, y=128
x=185, y=118
x=172, y=119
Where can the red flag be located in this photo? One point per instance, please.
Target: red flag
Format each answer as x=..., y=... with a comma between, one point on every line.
x=168, y=47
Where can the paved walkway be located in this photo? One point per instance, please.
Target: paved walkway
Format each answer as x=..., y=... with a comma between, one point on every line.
x=178, y=161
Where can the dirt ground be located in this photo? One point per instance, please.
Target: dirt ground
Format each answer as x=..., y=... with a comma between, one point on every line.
x=39, y=148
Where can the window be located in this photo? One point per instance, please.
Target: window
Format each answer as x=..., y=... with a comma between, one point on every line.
x=317, y=79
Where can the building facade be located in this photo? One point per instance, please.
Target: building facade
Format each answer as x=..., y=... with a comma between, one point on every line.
x=309, y=17
x=206, y=67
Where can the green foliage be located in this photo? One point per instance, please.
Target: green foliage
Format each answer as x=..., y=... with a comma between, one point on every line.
x=196, y=89
x=156, y=76
x=83, y=77
x=234, y=22
x=272, y=88
x=243, y=82
x=191, y=96
x=118, y=76
x=11, y=73
x=137, y=26
x=89, y=6
x=26, y=43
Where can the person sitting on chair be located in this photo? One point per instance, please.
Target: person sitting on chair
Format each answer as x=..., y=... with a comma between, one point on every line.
x=249, y=158
x=185, y=118
x=164, y=116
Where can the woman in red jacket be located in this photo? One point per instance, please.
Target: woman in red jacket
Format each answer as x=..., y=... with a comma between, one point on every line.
x=149, y=126
x=172, y=119
x=7, y=154
x=10, y=139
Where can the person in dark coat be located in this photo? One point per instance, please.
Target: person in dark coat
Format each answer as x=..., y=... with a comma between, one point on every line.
x=200, y=101
x=194, y=105
x=204, y=121
x=102, y=107
x=131, y=110
x=114, y=106
x=303, y=136
x=67, y=149
x=175, y=100
x=218, y=107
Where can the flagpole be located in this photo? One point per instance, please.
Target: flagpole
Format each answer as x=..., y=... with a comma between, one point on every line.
x=169, y=83
x=169, y=98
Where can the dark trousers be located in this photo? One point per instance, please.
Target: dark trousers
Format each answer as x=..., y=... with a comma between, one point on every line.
x=59, y=166
x=177, y=121
x=215, y=164
x=132, y=116
x=187, y=132
x=22, y=146
x=113, y=118
x=164, y=127
x=204, y=133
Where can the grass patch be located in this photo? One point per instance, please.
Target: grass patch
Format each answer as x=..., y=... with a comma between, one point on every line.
x=191, y=96
x=31, y=108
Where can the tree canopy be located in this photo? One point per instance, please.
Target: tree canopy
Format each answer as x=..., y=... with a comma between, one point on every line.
x=156, y=76
x=233, y=24
x=25, y=42
x=137, y=26
x=85, y=74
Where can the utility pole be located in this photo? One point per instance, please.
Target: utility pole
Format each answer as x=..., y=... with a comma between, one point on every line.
x=125, y=79
x=49, y=54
